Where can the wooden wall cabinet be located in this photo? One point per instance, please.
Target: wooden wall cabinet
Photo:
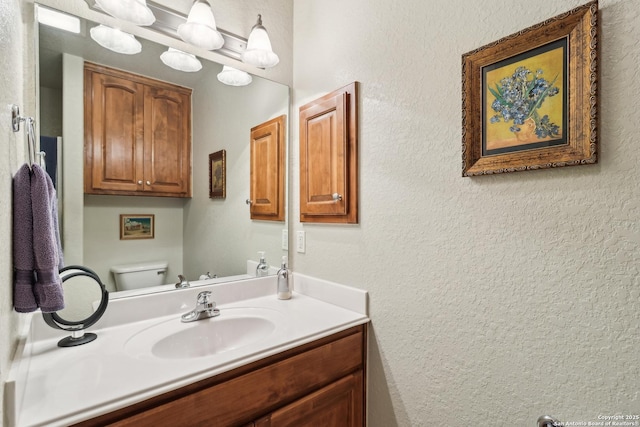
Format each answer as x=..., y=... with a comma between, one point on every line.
x=329, y=158
x=137, y=135
x=320, y=384
x=268, y=156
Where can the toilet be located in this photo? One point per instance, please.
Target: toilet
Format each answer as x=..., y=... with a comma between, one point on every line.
x=140, y=275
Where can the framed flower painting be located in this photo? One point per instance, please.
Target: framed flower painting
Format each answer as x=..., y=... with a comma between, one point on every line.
x=529, y=99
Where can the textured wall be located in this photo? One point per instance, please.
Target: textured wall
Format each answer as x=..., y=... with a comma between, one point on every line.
x=495, y=298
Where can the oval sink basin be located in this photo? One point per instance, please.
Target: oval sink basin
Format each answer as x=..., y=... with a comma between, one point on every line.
x=173, y=339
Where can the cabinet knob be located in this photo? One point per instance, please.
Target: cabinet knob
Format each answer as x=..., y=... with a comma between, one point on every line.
x=140, y=182
x=248, y=201
x=336, y=197
x=148, y=182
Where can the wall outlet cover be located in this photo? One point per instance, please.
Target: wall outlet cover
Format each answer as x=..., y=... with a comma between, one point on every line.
x=301, y=242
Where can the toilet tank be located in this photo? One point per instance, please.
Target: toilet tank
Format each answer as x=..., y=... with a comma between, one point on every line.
x=140, y=275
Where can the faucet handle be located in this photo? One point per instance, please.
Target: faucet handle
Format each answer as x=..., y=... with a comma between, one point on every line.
x=204, y=302
x=205, y=308
x=203, y=297
x=183, y=282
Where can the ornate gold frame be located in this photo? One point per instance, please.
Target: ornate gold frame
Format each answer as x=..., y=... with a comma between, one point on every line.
x=580, y=29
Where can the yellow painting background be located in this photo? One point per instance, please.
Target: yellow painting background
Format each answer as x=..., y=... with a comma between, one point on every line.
x=498, y=134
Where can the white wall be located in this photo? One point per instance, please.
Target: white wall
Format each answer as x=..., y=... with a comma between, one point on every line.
x=72, y=208
x=498, y=298
x=14, y=89
x=51, y=101
x=102, y=245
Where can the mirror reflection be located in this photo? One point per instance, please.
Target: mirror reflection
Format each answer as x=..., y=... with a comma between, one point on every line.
x=193, y=236
x=82, y=297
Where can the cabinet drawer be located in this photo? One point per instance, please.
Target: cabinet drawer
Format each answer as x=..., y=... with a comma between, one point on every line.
x=251, y=394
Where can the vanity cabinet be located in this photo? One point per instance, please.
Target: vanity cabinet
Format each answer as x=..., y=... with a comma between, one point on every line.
x=320, y=383
x=137, y=135
x=338, y=404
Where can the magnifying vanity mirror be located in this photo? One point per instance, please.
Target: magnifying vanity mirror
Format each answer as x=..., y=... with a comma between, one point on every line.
x=194, y=236
x=86, y=301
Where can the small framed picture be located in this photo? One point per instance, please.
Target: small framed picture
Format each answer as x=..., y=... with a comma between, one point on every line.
x=218, y=175
x=137, y=226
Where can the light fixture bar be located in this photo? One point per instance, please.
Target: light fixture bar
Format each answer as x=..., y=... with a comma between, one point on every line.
x=60, y=20
x=168, y=20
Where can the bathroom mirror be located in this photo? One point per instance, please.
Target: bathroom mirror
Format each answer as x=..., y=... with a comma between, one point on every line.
x=195, y=236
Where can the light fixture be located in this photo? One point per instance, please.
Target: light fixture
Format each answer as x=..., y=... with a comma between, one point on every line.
x=259, y=52
x=134, y=11
x=200, y=29
x=60, y=20
x=181, y=61
x=115, y=40
x=233, y=77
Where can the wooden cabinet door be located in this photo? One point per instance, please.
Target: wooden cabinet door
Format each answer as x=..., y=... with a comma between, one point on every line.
x=113, y=131
x=324, y=139
x=268, y=170
x=328, y=158
x=137, y=135
x=337, y=405
x=167, y=137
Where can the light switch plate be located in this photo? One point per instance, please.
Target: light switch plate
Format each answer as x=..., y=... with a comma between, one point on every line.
x=301, y=244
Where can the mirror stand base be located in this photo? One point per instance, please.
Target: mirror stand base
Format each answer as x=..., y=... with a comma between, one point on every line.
x=72, y=342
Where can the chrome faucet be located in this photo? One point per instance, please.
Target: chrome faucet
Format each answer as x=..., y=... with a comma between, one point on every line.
x=205, y=308
x=183, y=282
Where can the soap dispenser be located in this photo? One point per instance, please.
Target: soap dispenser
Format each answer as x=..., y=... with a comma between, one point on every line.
x=284, y=286
x=262, y=269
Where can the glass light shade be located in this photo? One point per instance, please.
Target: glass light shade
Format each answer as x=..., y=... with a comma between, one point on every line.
x=135, y=11
x=181, y=61
x=259, y=52
x=115, y=40
x=200, y=29
x=233, y=77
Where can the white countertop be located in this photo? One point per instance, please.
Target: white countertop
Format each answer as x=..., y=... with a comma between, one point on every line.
x=53, y=386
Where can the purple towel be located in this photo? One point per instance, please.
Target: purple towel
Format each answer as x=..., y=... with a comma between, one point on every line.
x=23, y=262
x=48, y=286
